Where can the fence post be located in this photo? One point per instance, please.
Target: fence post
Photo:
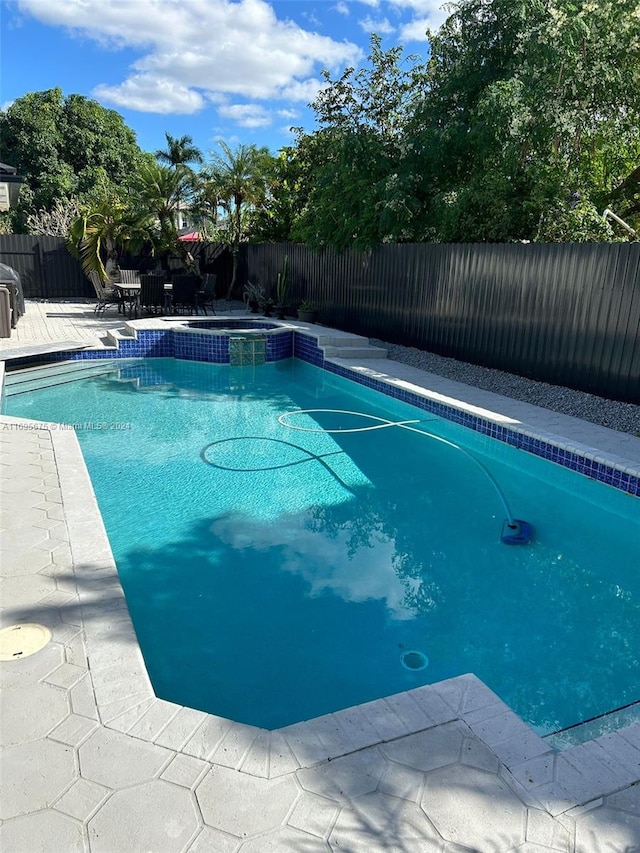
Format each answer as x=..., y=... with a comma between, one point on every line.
x=40, y=275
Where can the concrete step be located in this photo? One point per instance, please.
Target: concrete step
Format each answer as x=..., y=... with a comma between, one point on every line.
x=113, y=336
x=351, y=352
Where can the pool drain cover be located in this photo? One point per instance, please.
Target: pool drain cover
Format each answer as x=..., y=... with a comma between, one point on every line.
x=20, y=641
x=414, y=661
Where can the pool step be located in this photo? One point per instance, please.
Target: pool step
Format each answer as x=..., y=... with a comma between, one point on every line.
x=59, y=373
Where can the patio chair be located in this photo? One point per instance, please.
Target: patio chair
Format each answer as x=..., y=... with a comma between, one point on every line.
x=129, y=276
x=184, y=293
x=105, y=294
x=208, y=292
x=153, y=296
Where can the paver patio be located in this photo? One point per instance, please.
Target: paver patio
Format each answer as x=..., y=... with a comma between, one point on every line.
x=92, y=761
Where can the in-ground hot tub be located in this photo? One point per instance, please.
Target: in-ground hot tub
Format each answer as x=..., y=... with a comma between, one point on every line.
x=237, y=340
x=235, y=325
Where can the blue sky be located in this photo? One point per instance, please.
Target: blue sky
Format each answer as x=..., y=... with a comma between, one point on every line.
x=239, y=70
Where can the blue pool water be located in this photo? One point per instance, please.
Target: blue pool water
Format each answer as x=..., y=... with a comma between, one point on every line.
x=275, y=574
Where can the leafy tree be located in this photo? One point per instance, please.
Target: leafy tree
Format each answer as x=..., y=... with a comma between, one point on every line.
x=273, y=221
x=526, y=104
x=352, y=171
x=238, y=180
x=64, y=148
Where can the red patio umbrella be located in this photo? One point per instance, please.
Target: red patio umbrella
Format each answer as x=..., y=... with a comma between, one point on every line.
x=192, y=236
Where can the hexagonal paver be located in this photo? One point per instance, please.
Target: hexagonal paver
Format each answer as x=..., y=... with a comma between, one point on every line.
x=27, y=562
x=31, y=712
x=47, y=830
x=25, y=482
x=155, y=816
x=22, y=520
x=379, y=822
x=344, y=779
x=18, y=673
x=609, y=828
x=212, y=841
x=18, y=541
x=286, y=841
x=474, y=807
x=430, y=749
x=244, y=805
x=116, y=760
x=33, y=775
x=23, y=590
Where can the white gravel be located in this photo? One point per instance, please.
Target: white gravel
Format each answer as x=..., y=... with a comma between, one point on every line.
x=624, y=417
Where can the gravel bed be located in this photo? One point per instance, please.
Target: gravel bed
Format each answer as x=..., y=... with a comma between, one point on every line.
x=624, y=417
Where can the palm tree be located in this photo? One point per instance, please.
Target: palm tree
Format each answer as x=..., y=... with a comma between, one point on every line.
x=158, y=190
x=179, y=152
x=238, y=179
x=103, y=229
x=177, y=155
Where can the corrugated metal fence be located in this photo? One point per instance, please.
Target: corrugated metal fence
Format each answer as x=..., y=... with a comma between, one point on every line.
x=564, y=313
x=46, y=268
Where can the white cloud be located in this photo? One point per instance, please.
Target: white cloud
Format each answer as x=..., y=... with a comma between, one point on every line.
x=246, y=115
x=427, y=13
x=302, y=90
x=367, y=574
x=382, y=26
x=342, y=8
x=151, y=94
x=416, y=30
x=288, y=113
x=197, y=50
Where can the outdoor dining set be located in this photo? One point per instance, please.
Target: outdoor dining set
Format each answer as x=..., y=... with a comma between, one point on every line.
x=137, y=293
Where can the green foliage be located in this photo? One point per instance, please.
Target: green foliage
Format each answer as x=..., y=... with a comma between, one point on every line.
x=103, y=230
x=536, y=100
x=65, y=148
x=238, y=182
x=521, y=105
x=577, y=222
x=355, y=184
x=179, y=152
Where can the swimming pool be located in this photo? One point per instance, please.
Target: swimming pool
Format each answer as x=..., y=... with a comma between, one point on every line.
x=281, y=574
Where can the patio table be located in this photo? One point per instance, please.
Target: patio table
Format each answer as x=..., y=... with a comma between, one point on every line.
x=130, y=293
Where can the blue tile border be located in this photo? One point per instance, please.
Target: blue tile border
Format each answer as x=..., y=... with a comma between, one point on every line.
x=306, y=349
x=214, y=348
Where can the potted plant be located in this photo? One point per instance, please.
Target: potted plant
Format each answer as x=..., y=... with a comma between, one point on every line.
x=282, y=286
x=308, y=312
x=253, y=295
x=266, y=306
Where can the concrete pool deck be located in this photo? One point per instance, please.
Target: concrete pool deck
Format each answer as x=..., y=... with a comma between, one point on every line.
x=94, y=762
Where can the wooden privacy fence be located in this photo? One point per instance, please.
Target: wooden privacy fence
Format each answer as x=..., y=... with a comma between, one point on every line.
x=563, y=313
